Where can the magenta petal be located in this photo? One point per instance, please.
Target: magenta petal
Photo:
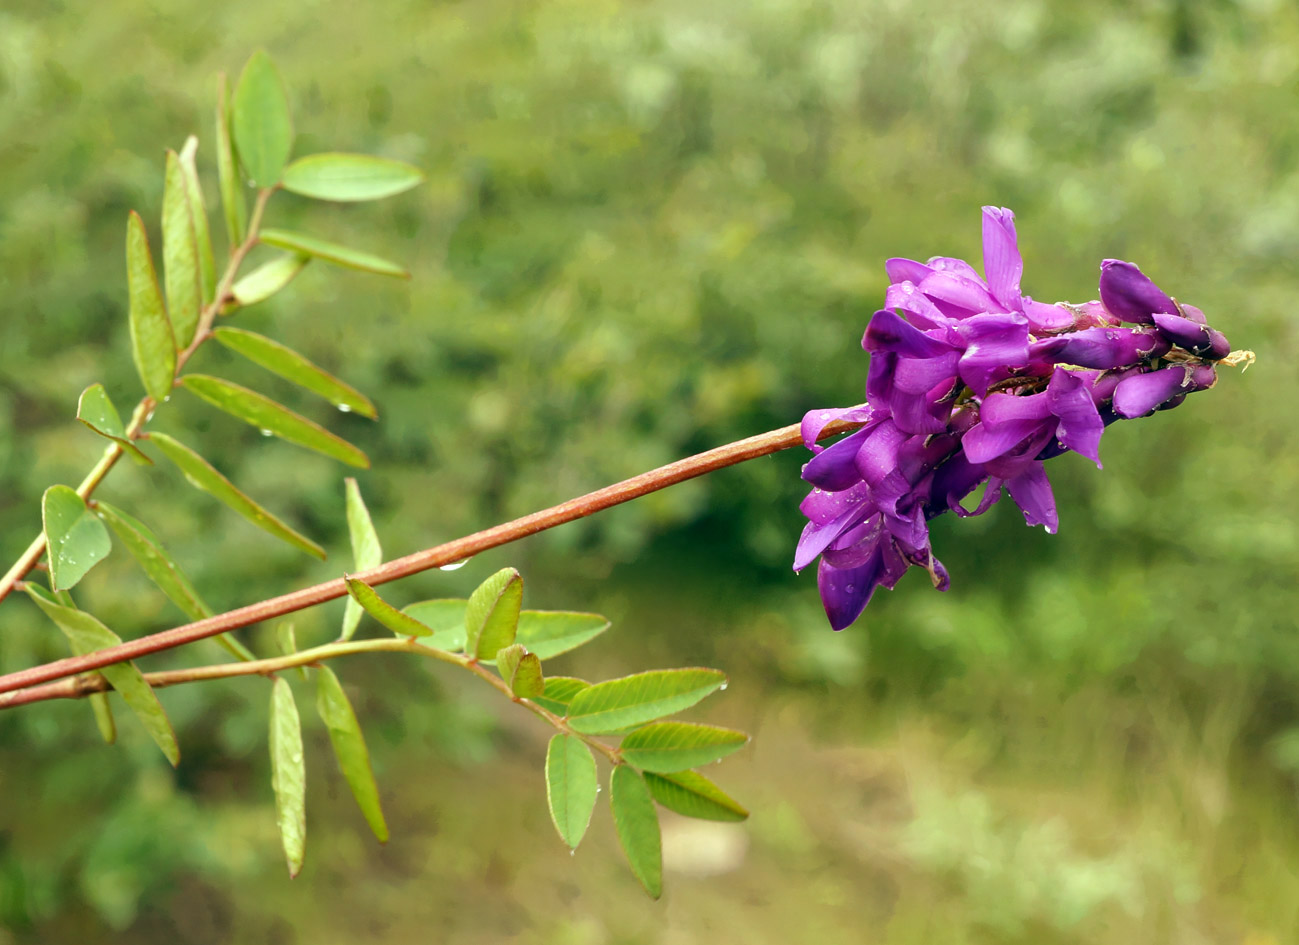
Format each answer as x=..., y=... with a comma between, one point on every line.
x=1106, y=348
x=1003, y=267
x=816, y=538
x=1043, y=317
x=917, y=375
x=985, y=443
x=924, y=313
x=1031, y=491
x=1183, y=332
x=1080, y=426
x=821, y=506
x=834, y=468
x=1001, y=408
x=958, y=266
x=1194, y=314
x=963, y=294
x=1136, y=396
x=1128, y=293
x=905, y=270
x=992, y=343
x=814, y=421
x=889, y=331
x=879, y=455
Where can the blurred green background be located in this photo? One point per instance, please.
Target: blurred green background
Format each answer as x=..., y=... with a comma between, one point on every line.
x=649, y=228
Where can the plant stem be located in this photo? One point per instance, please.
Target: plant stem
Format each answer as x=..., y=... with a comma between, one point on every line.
x=761, y=445
x=81, y=686
x=144, y=409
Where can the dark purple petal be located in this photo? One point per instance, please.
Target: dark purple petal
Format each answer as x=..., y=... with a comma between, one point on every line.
x=992, y=343
x=890, y=332
x=1219, y=346
x=1185, y=333
x=1080, y=426
x=952, y=482
x=1128, y=293
x=1002, y=265
x=879, y=378
x=905, y=270
x=918, y=375
x=1015, y=461
x=923, y=413
x=1136, y=396
x=1000, y=408
x=846, y=592
x=1043, y=317
x=816, y=538
x=814, y=421
x=879, y=455
x=987, y=442
x=1104, y=348
x=834, y=468
x=1031, y=491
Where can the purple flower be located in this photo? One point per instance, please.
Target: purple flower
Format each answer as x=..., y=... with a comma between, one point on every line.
x=972, y=382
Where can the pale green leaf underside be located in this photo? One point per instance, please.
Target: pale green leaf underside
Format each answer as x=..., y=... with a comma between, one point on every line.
x=259, y=121
x=292, y=366
x=97, y=412
x=75, y=539
x=198, y=214
x=690, y=794
x=637, y=824
x=232, y=195
x=331, y=252
x=288, y=775
x=349, y=748
x=403, y=625
x=180, y=266
x=570, y=787
x=268, y=278
x=492, y=614
x=366, y=551
x=349, y=177
x=153, y=345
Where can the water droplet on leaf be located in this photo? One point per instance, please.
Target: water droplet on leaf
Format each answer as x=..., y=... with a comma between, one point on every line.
x=344, y=408
x=454, y=565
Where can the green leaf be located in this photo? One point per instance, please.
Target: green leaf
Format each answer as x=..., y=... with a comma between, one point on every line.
x=198, y=214
x=349, y=177
x=232, y=193
x=265, y=414
x=528, y=682
x=259, y=121
x=692, y=795
x=76, y=540
x=349, y=748
x=86, y=635
x=331, y=252
x=201, y=475
x=103, y=710
x=378, y=608
x=366, y=552
x=179, y=254
x=153, y=346
x=96, y=411
x=570, y=787
x=637, y=824
x=268, y=278
x=292, y=366
x=446, y=618
x=665, y=747
x=288, y=775
x=551, y=632
x=163, y=570
x=558, y=692
x=507, y=661
x=643, y=697
x=492, y=614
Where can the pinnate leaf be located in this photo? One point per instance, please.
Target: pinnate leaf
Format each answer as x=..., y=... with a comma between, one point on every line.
x=549, y=633
x=445, y=618
x=366, y=552
x=288, y=775
x=259, y=121
x=201, y=475
x=349, y=177
x=180, y=267
x=198, y=214
x=349, y=748
x=571, y=787
x=637, y=824
x=265, y=414
x=232, y=193
x=528, y=681
x=690, y=794
x=75, y=538
x=399, y=623
x=96, y=411
x=665, y=747
x=103, y=710
x=292, y=366
x=162, y=569
x=634, y=700
x=86, y=635
x=153, y=345
x=558, y=691
x=331, y=252
x=492, y=614
x=268, y=278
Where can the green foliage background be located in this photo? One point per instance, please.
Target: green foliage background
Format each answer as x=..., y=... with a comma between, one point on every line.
x=651, y=227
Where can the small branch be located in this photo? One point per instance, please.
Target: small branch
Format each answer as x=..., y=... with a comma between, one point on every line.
x=144, y=409
x=78, y=687
x=740, y=451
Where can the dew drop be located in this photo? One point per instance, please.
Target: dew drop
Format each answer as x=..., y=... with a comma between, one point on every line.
x=850, y=588
x=572, y=852
x=454, y=565
x=344, y=408
x=722, y=687
x=266, y=432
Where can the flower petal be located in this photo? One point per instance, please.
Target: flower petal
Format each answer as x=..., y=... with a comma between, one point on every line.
x=814, y=421
x=986, y=442
x=1080, y=426
x=889, y=331
x=1002, y=265
x=1031, y=491
x=959, y=296
x=1138, y=395
x=845, y=592
x=905, y=270
x=1043, y=317
x=834, y=468
x=1128, y=293
x=1104, y=348
x=992, y=343
x=908, y=297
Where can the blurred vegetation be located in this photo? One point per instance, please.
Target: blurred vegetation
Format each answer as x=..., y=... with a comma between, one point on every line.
x=649, y=228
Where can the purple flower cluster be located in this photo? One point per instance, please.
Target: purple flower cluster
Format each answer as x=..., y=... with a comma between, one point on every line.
x=973, y=382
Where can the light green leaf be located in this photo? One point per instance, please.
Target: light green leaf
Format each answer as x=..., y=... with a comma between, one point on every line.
x=446, y=618
x=288, y=775
x=349, y=177
x=103, y=710
x=96, y=411
x=640, y=698
x=349, y=748
x=492, y=615
x=665, y=747
x=232, y=193
x=570, y=787
x=692, y=795
x=86, y=635
x=637, y=824
x=268, y=278
x=507, y=661
x=163, y=570
x=528, y=681
x=259, y=121
x=76, y=540
x=179, y=254
x=152, y=343
x=201, y=475
x=331, y=252
x=265, y=414
x=559, y=691
x=366, y=552
x=198, y=214
x=378, y=608
x=551, y=632
x=292, y=366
